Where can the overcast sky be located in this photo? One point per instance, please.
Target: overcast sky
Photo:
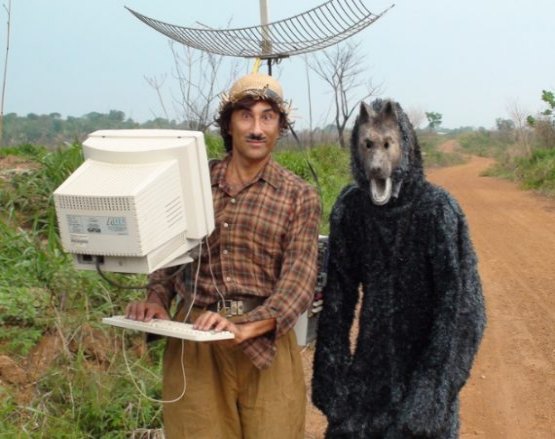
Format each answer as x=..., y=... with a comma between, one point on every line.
x=468, y=60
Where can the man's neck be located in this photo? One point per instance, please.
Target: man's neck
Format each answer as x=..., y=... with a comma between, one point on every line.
x=241, y=171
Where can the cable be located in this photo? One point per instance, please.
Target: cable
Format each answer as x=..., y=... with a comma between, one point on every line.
x=187, y=313
x=133, y=287
x=312, y=171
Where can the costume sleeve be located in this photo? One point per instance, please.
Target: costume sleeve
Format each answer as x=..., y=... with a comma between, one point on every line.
x=294, y=289
x=333, y=355
x=459, y=321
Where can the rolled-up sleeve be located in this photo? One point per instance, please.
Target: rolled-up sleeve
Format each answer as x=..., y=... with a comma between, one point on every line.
x=162, y=285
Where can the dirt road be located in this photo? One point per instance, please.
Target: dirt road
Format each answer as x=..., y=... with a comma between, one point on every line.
x=511, y=394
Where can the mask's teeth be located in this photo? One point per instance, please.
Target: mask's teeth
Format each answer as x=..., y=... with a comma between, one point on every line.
x=380, y=191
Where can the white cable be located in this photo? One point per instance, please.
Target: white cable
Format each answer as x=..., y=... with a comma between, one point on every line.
x=212, y=274
x=144, y=395
x=126, y=360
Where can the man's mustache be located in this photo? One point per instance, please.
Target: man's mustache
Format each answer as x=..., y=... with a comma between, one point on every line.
x=256, y=137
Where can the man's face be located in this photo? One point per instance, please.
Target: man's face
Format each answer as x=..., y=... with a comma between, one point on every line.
x=254, y=131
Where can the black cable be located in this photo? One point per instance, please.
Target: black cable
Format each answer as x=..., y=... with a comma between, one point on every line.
x=134, y=287
x=310, y=167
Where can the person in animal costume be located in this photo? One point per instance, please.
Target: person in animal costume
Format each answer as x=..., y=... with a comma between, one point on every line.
x=406, y=243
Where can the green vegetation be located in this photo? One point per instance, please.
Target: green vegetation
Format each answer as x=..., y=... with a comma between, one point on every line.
x=83, y=390
x=530, y=158
x=535, y=172
x=51, y=129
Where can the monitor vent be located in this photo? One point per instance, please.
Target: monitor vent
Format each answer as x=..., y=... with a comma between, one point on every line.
x=174, y=211
x=120, y=204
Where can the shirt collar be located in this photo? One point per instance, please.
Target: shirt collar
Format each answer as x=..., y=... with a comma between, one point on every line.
x=270, y=173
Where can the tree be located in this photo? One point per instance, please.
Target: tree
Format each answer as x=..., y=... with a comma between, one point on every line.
x=342, y=69
x=522, y=131
x=416, y=116
x=196, y=73
x=544, y=124
x=505, y=129
x=549, y=98
x=434, y=120
x=9, y=13
x=504, y=125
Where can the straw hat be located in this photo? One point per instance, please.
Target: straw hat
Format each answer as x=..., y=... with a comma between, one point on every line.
x=256, y=86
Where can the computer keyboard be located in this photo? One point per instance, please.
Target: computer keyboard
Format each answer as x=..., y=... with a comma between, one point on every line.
x=168, y=328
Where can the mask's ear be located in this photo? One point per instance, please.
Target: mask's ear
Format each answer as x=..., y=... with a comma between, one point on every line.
x=389, y=111
x=365, y=112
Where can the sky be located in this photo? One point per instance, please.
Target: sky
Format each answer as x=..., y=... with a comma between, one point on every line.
x=471, y=61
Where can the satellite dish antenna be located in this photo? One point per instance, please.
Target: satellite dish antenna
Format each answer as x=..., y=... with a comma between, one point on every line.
x=315, y=29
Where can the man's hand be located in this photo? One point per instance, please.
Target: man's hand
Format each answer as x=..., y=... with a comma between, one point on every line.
x=243, y=331
x=146, y=311
x=213, y=321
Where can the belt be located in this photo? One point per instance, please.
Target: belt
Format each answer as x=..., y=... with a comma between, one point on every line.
x=232, y=307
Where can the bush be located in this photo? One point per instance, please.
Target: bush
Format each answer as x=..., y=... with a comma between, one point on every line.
x=538, y=171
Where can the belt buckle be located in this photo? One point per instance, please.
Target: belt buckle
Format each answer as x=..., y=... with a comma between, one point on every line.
x=230, y=308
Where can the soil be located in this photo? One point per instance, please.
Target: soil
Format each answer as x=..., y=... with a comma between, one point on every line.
x=511, y=392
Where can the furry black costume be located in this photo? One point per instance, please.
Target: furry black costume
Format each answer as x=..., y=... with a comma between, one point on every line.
x=422, y=314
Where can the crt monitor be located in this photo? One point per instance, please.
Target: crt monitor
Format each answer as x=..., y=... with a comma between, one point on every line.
x=141, y=201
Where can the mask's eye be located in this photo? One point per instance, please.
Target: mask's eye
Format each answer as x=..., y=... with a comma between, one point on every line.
x=386, y=145
x=369, y=144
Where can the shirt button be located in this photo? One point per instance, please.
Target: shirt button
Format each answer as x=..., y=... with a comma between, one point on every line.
x=228, y=279
x=225, y=252
x=226, y=225
x=233, y=201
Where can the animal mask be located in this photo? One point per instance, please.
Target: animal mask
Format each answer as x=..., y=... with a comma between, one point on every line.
x=385, y=152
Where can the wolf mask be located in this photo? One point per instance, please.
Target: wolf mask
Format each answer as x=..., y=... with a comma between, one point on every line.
x=384, y=150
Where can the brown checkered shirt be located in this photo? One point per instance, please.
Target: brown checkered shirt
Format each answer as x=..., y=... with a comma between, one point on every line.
x=265, y=245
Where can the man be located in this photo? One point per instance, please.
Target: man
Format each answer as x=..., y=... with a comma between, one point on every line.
x=262, y=258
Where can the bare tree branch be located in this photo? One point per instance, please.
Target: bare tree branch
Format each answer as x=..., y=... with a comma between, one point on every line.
x=157, y=84
x=342, y=69
x=199, y=85
x=519, y=116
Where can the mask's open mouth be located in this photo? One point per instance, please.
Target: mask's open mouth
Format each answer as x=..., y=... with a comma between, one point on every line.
x=380, y=190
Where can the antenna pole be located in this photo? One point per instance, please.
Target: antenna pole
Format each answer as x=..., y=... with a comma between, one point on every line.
x=266, y=43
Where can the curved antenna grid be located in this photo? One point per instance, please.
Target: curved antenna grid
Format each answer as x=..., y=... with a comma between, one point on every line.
x=315, y=29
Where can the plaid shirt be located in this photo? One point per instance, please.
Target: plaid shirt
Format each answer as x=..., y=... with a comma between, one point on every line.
x=265, y=245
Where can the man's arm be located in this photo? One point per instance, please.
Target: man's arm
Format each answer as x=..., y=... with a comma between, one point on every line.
x=161, y=291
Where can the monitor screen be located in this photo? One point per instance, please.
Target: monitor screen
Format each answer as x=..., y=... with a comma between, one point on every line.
x=142, y=200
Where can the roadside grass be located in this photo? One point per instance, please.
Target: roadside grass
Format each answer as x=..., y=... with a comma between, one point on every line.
x=484, y=143
x=534, y=172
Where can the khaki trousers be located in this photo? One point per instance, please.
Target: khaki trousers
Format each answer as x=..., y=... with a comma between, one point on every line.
x=227, y=397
